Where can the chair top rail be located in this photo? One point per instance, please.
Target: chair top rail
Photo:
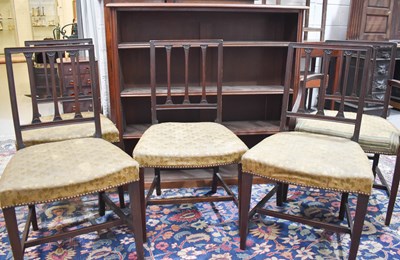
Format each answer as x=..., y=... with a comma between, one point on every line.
x=59, y=42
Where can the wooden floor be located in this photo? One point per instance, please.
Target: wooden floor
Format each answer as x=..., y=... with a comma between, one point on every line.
x=194, y=178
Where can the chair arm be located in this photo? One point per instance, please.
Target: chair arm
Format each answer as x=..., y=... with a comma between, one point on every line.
x=313, y=80
x=393, y=83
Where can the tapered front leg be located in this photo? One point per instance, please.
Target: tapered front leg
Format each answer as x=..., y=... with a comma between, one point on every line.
x=142, y=202
x=136, y=213
x=13, y=234
x=244, y=206
x=361, y=211
x=394, y=190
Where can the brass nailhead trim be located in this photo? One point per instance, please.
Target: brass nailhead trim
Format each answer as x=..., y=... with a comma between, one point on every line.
x=189, y=166
x=311, y=186
x=70, y=197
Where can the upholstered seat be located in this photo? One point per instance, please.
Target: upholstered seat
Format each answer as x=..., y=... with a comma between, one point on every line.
x=377, y=134
x=313, y=162
x=47, y=172
x=203, y=144
x=71, y=131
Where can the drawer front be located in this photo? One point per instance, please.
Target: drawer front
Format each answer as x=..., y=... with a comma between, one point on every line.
x=84, y=68
x=85, y=81
x=85, y=105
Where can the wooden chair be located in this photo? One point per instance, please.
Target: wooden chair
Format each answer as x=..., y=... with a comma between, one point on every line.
x=64, y=169
x=308, y=159
x=188, y=145
x=64, y=79
x=377, y=135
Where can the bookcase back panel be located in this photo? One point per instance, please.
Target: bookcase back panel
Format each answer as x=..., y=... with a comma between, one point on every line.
x=230, y=26
x=242, y=66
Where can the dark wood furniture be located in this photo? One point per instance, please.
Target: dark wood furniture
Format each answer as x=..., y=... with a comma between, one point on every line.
x=377, y=135
x=382, y=69
x=290, y=159
x=44, y=173
x=255, y=48
x=307, y=29
x=64, y=72
x=169, y=145
x=374, y=20
x=41, y=72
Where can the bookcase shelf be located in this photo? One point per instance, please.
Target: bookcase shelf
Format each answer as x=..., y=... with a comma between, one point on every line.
x=255, y=38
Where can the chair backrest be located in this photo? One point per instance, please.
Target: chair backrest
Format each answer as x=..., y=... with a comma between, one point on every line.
x=382, y=69
x=41, y=67
x=58, y=42
x=58, y=92
x=337, y=61
x=196, y=75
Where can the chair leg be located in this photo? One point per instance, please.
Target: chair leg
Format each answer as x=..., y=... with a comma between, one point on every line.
x=393, y=191
x=310, y=96
x=102, y=204
x=215, y=180
x=13, y=234
x=142, y=202
x=285, y=192
x=244, y=206
x=375, y=162
x=121, y=197
x=158, y=182
x=361, y=210
x=279, y=195
x=121, y=145
x=343, y=203
x=136, y=213
x=33, y=218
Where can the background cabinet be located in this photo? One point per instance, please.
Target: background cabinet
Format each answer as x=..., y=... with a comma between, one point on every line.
x=255, y=37
x=42, y=76
x=374, y=20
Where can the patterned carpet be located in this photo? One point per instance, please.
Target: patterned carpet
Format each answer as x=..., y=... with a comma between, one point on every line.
x=210, y=231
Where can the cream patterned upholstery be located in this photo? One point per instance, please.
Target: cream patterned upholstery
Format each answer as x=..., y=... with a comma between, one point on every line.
x=48, y=172
x=377, y=134
x=71, y=131
x=311, y=160
x=188, y=145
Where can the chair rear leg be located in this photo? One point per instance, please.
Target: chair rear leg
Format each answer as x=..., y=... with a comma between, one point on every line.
x=142, y=202
x=136, y=213
x=285, y=192
x=375, y=162
x=215, y=180
x=121, y=197
x=13, y=234
x=102, y=204
x=279, y=194
x=244, y=206
x=158, y=181
x=361, y=210
x=33, y=218
x=393, y=191
x=343, y=203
